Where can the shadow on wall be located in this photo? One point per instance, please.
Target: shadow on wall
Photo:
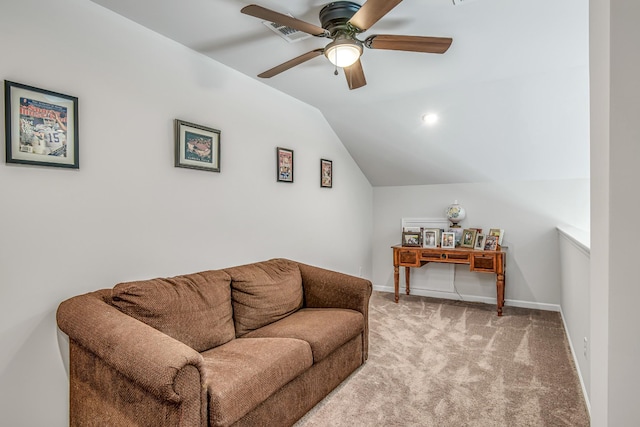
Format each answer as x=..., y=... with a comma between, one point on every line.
x=33, y=374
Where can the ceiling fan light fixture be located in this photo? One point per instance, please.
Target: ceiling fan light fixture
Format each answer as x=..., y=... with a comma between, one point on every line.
x=343, y=52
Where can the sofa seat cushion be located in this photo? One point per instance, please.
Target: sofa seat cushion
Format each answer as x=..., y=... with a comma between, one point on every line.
x=194, y=308
x=325, y=329
x=264, y=292
x=243, y=373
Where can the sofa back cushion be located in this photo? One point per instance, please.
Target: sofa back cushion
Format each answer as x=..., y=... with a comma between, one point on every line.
x=194, y=308
x=264, y=292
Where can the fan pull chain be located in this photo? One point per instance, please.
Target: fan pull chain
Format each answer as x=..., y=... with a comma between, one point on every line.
x=335, y=72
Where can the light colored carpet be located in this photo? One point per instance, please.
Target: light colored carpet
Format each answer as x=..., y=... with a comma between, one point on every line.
x=439, y=363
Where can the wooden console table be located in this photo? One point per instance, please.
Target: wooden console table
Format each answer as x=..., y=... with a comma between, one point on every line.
x=482, y=261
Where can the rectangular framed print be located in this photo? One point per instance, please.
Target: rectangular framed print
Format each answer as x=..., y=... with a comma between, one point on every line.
x=284, y=165
x=326, y=173
x=468, y=238
x=197, y=147
x=448, y=240
x=430, y=238
x=41, y=127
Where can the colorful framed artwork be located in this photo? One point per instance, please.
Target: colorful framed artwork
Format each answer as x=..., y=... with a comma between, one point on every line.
x=41, y=127
x=468, y=238
x=326, y=173
x=498, y=232
x=197, y=147
x=448, y=240
x=491, y=243
x=284, y=158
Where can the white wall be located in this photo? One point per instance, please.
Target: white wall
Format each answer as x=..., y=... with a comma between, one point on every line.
x=599, y=64
x=624, y=197
x=574, y=272
x=615, y=130
x=528, y=212
x=128, y=213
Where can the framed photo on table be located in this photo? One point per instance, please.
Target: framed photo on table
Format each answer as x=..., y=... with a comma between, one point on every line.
x=41, y=127
x=326, y=173
x=284, y=158
x=410, y=238
x=468, y=238
x=448, y=240
x=491, y=243
x=479, y=243
x=430, y=238
x=197, y=147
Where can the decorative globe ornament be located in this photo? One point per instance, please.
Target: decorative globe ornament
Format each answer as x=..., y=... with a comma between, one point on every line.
x=455, y=213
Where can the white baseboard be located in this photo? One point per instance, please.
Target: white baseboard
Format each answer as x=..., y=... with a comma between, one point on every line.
x=577, y=365
x=472, y=298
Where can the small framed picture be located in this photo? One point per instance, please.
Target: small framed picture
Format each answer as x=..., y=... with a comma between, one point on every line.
x=491, y=243
x=197, y=147
x=326, y=173
x=468, y=238
x=411, y=239
x=458, y=234
x=479, y=243
x=41, y=127
x=284, y=158
x=498, y=232
x=448, y=240
x=430, y=238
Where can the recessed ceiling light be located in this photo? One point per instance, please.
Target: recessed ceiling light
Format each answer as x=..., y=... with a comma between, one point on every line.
x=430, y=118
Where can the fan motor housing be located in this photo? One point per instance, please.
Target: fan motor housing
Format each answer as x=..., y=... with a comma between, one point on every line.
x=334, y=16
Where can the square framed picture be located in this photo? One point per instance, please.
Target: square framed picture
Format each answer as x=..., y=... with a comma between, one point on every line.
x=448, y=240
x=411, y=239
x=41, y=126
x=284, y=158
x=197, y=147
x=326, y=173
x=468, y=238
x=479, y=243
x=430, y=238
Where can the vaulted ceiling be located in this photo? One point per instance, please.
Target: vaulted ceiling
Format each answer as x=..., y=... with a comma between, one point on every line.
x=511, y=93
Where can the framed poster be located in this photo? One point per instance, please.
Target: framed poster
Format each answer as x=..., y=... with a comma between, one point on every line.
x=284, y=158
x=197, y=147
x=41, y=127
x=326, y=173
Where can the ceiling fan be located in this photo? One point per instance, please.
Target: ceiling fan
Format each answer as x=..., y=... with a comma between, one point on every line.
x=342, y=21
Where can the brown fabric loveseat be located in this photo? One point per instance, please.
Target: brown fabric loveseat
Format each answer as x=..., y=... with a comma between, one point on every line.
x=253, y=345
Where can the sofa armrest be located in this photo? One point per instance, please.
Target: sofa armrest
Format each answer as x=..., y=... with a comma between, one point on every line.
x=326, y=288
x=144, y=355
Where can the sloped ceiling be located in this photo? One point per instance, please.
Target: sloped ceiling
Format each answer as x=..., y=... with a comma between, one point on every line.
x=511, y=93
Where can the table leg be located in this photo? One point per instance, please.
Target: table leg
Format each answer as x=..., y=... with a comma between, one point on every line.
x=500, y=292
x=396, y=281
x=407, y=275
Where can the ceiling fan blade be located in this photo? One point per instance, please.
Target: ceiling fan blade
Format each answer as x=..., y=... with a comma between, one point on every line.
x=291, y=63
x=409, y=43
x=371, y=12
x=355, y=75
x=279, y=18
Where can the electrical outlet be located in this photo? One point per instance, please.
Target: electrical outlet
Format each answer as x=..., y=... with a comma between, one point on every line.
x=360, y=271
x=585, y=346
